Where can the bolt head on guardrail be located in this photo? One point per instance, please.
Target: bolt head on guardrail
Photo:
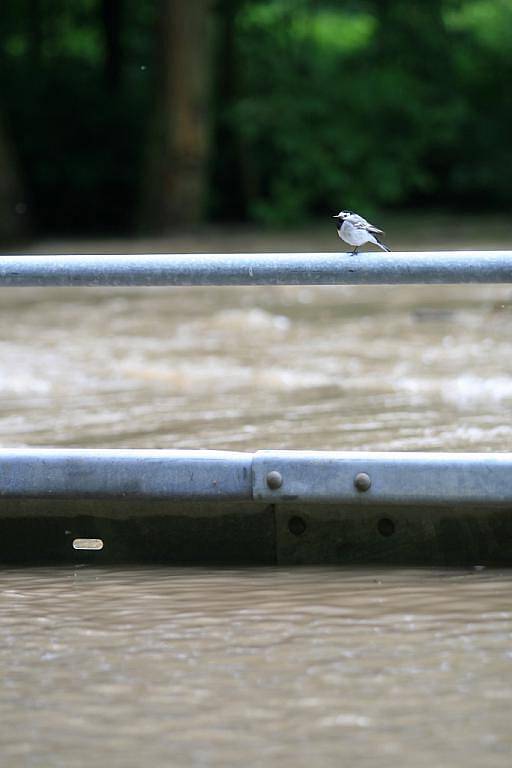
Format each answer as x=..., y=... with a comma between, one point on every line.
x=362, y=481
x=274, y=480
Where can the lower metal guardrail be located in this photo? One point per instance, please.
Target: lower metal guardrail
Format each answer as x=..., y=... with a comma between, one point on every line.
x=364, y=479
x=269, y=507
x=172, y=475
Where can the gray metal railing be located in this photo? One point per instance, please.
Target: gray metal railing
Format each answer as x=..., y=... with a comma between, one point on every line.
x=274, y=477
x=439, y=267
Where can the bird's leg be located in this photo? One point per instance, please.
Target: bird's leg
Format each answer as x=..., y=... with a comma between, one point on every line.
x=354, y=252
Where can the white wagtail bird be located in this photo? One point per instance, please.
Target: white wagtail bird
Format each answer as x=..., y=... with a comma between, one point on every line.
x=356, y=231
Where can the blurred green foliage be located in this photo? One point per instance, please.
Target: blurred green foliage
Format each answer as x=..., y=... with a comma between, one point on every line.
x=79, y=132
x=359, y=104
x=374, y=104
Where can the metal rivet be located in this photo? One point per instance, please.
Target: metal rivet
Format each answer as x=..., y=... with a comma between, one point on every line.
x=274, y=480
x=362, y=481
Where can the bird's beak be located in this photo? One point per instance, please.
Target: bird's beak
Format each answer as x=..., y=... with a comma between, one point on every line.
x=336, y=217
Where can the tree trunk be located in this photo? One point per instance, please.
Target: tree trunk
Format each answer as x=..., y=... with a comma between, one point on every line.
x=13, y=208
x=230, y=202
x=111, y=15
x=35, y=36
x=177, y=168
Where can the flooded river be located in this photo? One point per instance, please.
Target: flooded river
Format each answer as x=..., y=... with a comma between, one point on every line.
x=267, y=667
x=194, y=667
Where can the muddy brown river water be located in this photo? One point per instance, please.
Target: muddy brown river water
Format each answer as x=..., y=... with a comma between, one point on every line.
x=263, y=667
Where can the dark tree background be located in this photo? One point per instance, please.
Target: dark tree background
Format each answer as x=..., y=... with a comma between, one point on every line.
x=118, y=115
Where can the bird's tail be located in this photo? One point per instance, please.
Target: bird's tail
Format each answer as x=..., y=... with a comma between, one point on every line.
x=381, y=245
